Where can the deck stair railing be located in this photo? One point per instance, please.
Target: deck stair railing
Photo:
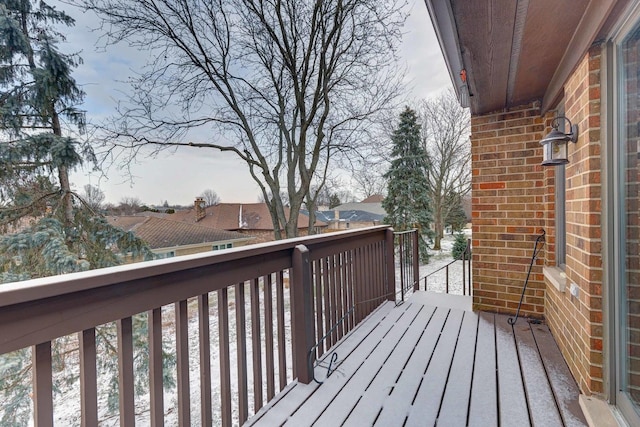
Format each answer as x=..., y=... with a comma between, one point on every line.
x=244, y=320
x=465, y=258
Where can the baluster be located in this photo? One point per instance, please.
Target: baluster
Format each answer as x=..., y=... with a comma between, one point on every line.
x=125, y=368
x=205, y=359
x=256, y=345
x=42, y=385
x=241, y=339
x=182, y=362
x=225, y=362
x=88, y=377
x=268, y=335
x=282, y=348
x=156, y=388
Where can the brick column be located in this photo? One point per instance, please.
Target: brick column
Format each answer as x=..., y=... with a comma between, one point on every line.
x=508, y=209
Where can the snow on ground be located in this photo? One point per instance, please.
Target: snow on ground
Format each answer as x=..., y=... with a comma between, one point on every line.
x=436, y=281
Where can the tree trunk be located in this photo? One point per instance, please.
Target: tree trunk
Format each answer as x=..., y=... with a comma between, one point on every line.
x=437, y=225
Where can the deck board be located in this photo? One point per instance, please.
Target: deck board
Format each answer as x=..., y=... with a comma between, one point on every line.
x=365, y=410
x=564, y=386
x=483, y=409
x=544, y=411
x=280, y=409
x=512, y=401
x=421, y=365
x=353, y=369
x=403, y=393
x=424, y=410
x=458, y=387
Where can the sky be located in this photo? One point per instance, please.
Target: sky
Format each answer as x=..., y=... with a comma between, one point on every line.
x=179, y=177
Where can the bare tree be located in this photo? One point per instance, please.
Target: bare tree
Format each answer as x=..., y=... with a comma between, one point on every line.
x=93, y=197
x=129, y=205
x=368, y=180
x=290, y=84
x=210, y=197
x=445, y=133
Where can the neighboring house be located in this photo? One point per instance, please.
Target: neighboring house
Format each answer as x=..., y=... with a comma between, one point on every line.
x=372, y=204
x=247, y=218
x=346, y=220
x=173, y=238
x=518, y=65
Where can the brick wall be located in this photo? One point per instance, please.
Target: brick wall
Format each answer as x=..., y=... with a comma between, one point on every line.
x=508, y=197
x=576, y=322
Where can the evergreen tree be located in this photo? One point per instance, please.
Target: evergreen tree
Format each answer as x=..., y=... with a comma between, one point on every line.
x=48, y=228
x=45, y=228
x=407, y=202
x=459, y=246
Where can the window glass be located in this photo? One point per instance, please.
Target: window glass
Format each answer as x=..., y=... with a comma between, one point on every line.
x=629, y=245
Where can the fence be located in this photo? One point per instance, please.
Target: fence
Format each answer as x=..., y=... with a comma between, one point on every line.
x=334, y=281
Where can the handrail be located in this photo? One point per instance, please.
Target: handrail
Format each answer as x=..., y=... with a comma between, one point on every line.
x=330, y=274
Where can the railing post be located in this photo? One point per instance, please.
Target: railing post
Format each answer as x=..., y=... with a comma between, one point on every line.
x=469, y=265
x=416, y=261
x=447, y=277
x=302, y=315
x=391, y=266
x=464, y=274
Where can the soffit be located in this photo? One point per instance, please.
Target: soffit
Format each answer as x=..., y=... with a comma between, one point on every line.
x=516, y=51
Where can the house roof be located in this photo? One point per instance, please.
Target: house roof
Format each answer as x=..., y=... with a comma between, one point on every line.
x=504, y=53
x=352, y=216
x=375, y=208
x=374, y=198
x=164, y=233
x=237, y=216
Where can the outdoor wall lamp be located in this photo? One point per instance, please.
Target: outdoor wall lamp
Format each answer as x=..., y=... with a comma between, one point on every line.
x=555, y=144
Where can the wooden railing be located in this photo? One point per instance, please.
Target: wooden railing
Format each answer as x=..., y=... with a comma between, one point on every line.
x=329, y=277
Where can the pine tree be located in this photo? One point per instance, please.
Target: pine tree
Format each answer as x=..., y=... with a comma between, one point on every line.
x=459, y=246
x=51, y=230
x=45, y=228
x=407, y=202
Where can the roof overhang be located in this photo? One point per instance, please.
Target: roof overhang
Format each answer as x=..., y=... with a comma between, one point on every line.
x=504, y=53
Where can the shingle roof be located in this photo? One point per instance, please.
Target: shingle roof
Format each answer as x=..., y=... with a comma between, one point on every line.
x=237, y=216
x=374, y=198
x=353, y=216
x=164, y=233
x=374, y=207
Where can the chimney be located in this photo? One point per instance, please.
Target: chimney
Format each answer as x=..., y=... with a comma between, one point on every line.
x=200, y=210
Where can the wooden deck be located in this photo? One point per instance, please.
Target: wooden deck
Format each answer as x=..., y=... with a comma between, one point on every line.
x=424, y=365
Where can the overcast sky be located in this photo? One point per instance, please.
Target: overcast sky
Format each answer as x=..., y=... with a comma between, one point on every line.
x=180, y=177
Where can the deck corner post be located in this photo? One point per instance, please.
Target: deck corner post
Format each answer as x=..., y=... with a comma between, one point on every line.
x=416, y=261
x=390, y=264
x=302, y=315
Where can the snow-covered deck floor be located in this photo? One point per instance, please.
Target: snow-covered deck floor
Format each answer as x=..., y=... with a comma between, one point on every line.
x=421, y=365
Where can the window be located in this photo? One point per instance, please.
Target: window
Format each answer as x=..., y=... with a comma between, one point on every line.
x=229, y=245
x=627, y=219
x=214, y=248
